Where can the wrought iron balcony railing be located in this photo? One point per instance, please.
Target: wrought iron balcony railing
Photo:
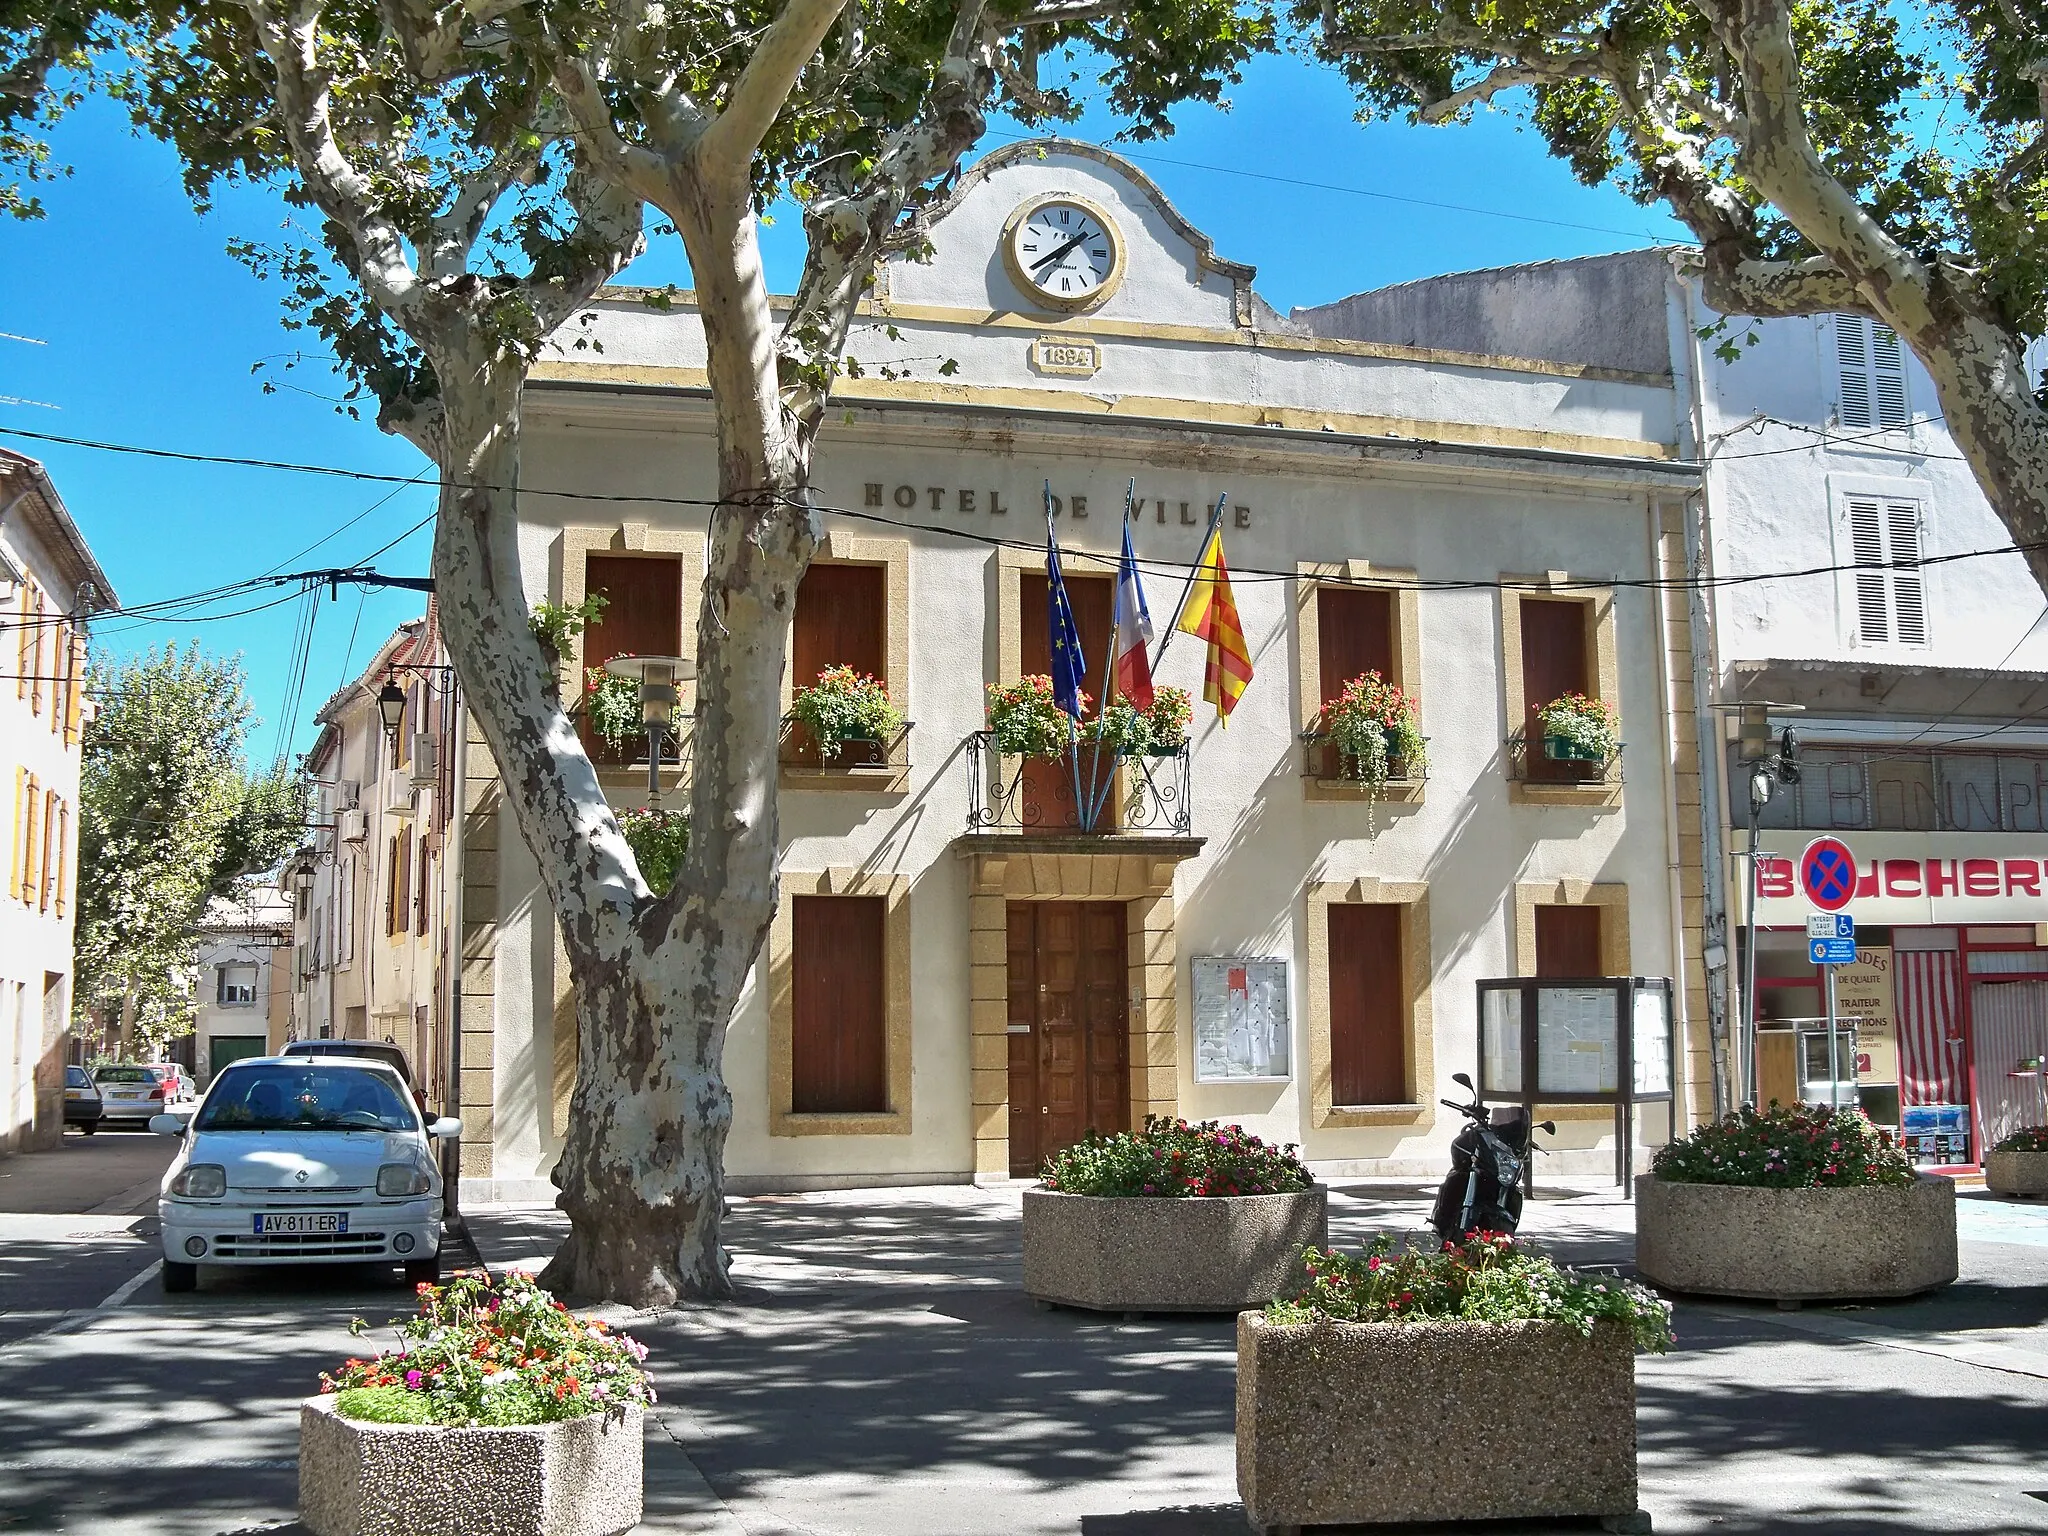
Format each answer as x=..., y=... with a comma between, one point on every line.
x=1133, y=796
x=1322, y=758
x=799, y=750
x=1531, y=763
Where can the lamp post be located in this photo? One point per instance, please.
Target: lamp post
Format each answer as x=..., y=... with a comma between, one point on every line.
x=1771, y=763
x=659, y=695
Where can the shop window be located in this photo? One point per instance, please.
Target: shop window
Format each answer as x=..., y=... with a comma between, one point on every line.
x=1568, y=942
x=643, y=616
x=839, y=1053
x=1556, y=660
x=1368, y=1012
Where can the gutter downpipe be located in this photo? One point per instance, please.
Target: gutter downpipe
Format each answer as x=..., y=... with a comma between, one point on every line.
x=1707, y=722
x=452, y=944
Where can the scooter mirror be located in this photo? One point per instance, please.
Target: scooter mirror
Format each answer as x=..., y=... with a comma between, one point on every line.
x=1461, y=1079
x=1548, y=1127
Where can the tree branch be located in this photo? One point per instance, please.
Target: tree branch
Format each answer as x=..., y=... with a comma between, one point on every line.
x=726, y=148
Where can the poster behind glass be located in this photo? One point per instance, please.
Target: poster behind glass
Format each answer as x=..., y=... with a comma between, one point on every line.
x=1577, y=1040
x=1242, y=1028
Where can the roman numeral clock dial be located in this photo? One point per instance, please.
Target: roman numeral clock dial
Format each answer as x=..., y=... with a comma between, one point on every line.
x=1064, y=253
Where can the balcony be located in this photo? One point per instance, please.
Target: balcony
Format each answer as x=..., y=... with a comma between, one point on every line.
x=1132, y=796
x=862, y=767
x=1537, y=778
x=1326, y=772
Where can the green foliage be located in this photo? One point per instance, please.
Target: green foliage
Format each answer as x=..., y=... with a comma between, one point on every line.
x=611, y=703
x=1588, y=724
x=660, y=840
x=1805, y=1146
x=845, y=705
x=493, y=1352
x=554, y=625
x=1170, y=1159
x=1025, y=720
x=2032, y=1138
x=169, y=818
x=1488, y=1278
x=1373, y=725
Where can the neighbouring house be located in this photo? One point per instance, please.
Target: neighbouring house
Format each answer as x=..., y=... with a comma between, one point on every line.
x=243, y=998
x=968, y=969
x=50, y=586
x=371, y=955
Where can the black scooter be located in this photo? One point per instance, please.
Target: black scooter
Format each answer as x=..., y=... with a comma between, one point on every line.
x=1483, y=1190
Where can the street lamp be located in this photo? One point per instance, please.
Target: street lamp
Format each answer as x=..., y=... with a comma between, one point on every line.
x=1771, y=763
x=391, y=704
x=658, y=677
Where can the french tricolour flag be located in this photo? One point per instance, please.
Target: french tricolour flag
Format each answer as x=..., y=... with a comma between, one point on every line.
x=1133, y=631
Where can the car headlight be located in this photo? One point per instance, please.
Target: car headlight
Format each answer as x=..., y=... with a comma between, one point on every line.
x=402, y=1179
x=201, y=1181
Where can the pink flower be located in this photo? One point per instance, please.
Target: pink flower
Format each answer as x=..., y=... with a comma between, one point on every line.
x=413, y=1380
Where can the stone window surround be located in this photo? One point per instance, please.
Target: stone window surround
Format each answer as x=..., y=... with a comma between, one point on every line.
x=1616, y=954
x=1417, y=971
x=1142, y=879
x=893, y=555
x=896, y=963
x=568, y=579
x=1606, y=679
x=1310, y=575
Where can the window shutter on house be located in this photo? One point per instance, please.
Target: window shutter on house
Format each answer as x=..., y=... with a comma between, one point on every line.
x=14, y=852
x=1354, y=636
x=74, y=698
x=1871, y=369
x=63, y=850
x=1891, y=598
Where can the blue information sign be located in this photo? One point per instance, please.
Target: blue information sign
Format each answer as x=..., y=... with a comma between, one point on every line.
x=1832, y=951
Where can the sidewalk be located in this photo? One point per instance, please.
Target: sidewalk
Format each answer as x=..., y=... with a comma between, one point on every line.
x=883, y=1375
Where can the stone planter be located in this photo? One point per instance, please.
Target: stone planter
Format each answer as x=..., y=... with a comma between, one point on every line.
x=2017, y=1173
x=1178, y=1255
x=577, y=1477
x=1369, y=1423
x=1792, y=1245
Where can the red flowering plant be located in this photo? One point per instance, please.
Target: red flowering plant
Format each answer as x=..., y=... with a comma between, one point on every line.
x=1027, y=721
x=1171, y=1159
x=2033, y=1138
x=1373, y=724
x=493, y=1352
x=1804, y=1146
x=1490, y=1277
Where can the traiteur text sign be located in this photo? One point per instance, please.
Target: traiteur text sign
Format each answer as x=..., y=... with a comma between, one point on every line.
x=1827, y=873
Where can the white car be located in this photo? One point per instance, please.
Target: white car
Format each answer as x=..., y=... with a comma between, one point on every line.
x=320, y=1160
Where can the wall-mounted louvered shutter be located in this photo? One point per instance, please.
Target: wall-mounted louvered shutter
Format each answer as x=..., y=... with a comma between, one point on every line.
x=1866, y=548
x=1888, y=377
x=1909, y=598
x=1852, y=362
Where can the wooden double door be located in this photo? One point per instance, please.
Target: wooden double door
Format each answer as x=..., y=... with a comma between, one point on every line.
x=1069, y=1031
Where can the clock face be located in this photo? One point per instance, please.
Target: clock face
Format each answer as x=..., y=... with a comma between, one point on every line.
x=1065, y=253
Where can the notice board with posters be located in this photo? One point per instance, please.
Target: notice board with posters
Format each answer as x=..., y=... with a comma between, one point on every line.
x=1243, y=1032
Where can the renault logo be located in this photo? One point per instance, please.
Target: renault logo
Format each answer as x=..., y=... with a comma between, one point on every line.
x=302, y=1175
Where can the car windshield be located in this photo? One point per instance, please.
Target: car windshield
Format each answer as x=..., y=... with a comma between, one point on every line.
x=309, y=1096
x=126, y=1075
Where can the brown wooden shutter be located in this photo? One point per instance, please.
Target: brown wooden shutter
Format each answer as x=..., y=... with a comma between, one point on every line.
x=16, y=850
x=1554, y=663
x=63, y=848
x=31, y=859
x=22, y=669
x=839, y=622
x=77, y=693
x=1368, y=1004
x=1568, y=942
x=1093, y=599
x=49, y=837
x=1354, y=636
x=35, y=657
x=420, y=890
x=643, y=613
x=839, y=1029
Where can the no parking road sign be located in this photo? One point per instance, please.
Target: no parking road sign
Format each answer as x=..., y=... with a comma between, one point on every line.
x=1827, y=873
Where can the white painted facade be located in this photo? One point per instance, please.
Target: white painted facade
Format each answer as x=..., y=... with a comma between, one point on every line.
x=49, y=586
x=1446, y=471
x=242, y=1003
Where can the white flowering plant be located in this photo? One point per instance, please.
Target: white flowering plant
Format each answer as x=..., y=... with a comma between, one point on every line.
x=1490, y=1277
x=493, y=1352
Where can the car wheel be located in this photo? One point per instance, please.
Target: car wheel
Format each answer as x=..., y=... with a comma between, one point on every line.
x=423, y=1271
x=88, y=1126
x=179, y=1278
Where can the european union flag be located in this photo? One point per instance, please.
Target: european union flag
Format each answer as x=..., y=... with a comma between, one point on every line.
x=1069, y=666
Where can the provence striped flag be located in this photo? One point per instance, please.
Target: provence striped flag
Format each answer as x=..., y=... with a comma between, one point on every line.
x=1211, y=614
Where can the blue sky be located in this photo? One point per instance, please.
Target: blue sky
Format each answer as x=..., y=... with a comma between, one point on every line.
x=149, y=333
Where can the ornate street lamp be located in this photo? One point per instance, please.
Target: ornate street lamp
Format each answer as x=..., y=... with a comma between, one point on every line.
x=658, y=677
x=391, y=704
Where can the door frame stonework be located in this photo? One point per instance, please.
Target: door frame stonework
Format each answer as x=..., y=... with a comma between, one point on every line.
x=1139, y=874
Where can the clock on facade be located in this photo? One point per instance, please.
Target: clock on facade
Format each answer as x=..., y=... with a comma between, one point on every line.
x=1064, y=252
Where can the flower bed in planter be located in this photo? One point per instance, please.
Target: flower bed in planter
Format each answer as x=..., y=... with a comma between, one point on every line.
x=2018, y=1165
x=1791, y=1205
x=1174, y=1218
x=1476, y=1382
x=499, y=1413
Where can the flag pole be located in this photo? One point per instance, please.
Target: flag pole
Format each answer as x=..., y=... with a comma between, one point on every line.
x=1098, y=792
x=1215, y=521
x=1073, y=735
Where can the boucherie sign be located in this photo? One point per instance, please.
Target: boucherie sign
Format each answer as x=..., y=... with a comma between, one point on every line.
x=1911, y=877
